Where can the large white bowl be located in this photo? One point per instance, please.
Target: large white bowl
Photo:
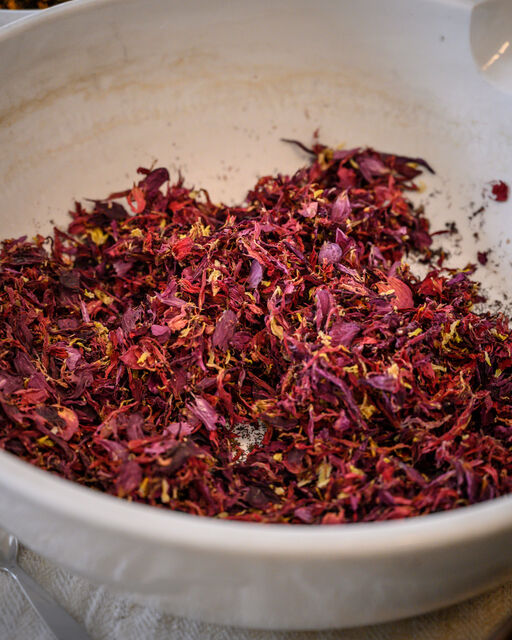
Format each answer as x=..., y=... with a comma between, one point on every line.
x=93, y=89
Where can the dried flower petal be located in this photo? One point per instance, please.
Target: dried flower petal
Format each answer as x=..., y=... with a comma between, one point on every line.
x=204, y=411
x=225, y=330
x=500, y=191
x=255, y=275
x=330, y=253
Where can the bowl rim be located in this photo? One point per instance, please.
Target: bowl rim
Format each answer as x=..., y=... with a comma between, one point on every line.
x=107, y=513
x=67, y=499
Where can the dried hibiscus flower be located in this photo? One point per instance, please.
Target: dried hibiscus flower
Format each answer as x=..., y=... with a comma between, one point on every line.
x=138, y=345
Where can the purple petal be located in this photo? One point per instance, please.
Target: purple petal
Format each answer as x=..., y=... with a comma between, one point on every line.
x=330, y=253
x=371, y=167
x=134, y=427
x=113, y=210
x=154, y=180
x=255, y=275
x=345, y=154
x=341, y=208
x=324, y=303
x=121, y=268
x=130, y=477
x=384, y=382
x=74, y=356
x=204, y=412
x=177, y=429
x=343, y=240
x=70, y=280
x=168, y=296
x=305, y=514
x=129, y=319
x=309, y=210
x=160, y=331
x=460, y=277
x=24, y=365
x=9, y=383
x=85, y=315
x=117, y=450
x=224, y=330
x=344, y=333
x=68, y=324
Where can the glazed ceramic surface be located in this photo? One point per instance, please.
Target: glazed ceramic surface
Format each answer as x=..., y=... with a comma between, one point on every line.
x=491, y=41
x=91, y=90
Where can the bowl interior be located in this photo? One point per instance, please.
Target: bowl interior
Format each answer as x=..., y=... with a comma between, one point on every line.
x=209, y=89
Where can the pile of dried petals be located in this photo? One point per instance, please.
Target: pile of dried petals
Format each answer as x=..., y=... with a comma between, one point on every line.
x=135, y=347
x=29, y=4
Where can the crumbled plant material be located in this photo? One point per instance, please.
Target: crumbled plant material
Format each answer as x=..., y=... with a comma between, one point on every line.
x=499, y=191
x=479, y=211
x=483, y=257
x=29, y=4
x=139, y=343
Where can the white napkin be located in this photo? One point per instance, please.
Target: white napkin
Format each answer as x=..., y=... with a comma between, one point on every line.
x=108, y=616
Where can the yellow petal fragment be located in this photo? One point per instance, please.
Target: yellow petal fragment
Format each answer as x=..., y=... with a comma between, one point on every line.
x=276, y=328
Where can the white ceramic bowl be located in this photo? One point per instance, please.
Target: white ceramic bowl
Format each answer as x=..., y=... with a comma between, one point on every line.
x=93, y=89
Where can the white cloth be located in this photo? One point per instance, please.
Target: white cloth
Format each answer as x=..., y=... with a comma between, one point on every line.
x=110, y=617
